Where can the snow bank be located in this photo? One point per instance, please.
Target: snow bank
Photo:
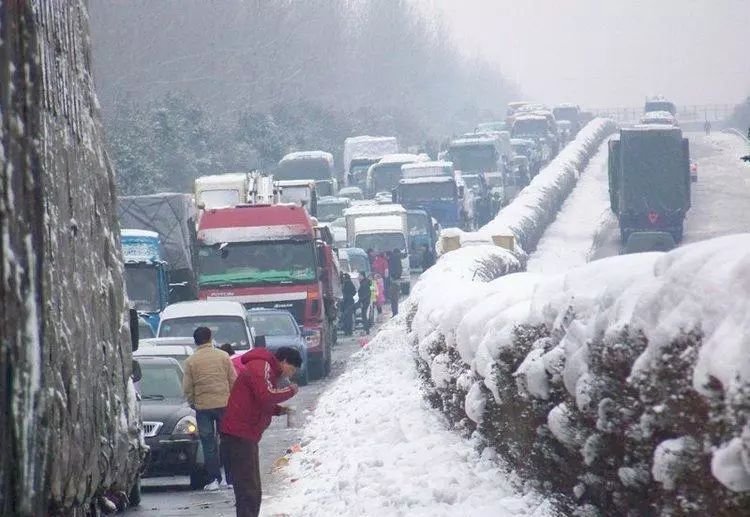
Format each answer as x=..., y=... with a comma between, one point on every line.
x=536, y=206
x=373, y=447
x=623, y=377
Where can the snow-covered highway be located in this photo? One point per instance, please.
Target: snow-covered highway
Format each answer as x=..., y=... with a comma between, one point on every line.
x=585, y=229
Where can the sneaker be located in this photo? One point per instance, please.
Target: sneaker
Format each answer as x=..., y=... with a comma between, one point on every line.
x=213, y=485
x=224, y=484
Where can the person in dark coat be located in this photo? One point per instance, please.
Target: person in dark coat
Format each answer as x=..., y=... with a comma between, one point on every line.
x=428, y=258
x=395, y=269
x=347, y=305
x=364, y=300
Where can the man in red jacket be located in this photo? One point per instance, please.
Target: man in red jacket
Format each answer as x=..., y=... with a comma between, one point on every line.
x=253, y=401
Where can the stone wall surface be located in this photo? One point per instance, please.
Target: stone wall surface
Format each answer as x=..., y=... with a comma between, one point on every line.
x=70, y=426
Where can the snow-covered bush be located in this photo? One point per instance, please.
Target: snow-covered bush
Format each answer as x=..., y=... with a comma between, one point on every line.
x=536, y=206
x=623, y=384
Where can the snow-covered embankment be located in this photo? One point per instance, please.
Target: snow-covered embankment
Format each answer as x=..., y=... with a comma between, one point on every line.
x=622, y=385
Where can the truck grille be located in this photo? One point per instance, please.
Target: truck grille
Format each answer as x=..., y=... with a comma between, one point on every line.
x=151, y=429
x=296, y=307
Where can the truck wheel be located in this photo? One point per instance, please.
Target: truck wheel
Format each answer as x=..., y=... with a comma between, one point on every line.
x=678, y=234
x=327, y=365
x=135, y=492
x=303, y=377
x=197, y=479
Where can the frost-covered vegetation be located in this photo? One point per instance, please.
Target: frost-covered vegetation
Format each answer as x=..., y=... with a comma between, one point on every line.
x=190, y=87
x=622, y=385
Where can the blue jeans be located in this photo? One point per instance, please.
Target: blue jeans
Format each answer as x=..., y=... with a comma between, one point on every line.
x=208, y=426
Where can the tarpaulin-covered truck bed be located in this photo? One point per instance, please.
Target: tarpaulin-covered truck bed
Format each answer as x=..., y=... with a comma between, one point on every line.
x=173, y=216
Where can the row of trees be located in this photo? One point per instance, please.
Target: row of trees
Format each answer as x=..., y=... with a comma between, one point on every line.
x=191, y=87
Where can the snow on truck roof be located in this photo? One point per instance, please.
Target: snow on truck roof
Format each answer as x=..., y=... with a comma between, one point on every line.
x=531, y=116
x=144, y=234
x=400, y=158
x=221, y=179
x=427, y=165
x=426, y=179
x=375, y=210
x=479, y=139
x=640, y=128
x=254, y=223
x=203, y=308
x=308, y=155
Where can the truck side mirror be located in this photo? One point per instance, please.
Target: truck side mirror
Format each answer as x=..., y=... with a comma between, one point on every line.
x=134, y=331
x=136, y=373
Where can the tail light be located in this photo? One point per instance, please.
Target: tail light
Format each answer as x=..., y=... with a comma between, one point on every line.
x=313, y=301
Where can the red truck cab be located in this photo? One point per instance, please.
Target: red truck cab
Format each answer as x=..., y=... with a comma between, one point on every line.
x=268, y=256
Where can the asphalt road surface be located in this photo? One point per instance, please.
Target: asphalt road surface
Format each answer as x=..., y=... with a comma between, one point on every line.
x=171, y=496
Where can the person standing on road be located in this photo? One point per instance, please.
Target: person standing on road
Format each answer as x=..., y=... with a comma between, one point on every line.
x=707, y=127
x=395, y=270
x=208, y=379
x=393, y=294
x=347, y=305
x=254, y=400
x=364, y=295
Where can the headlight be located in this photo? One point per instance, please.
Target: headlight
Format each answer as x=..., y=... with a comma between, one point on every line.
x=313, y=340
x=186, y=425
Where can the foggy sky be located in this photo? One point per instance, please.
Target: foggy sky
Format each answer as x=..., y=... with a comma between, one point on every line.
x=605, y=53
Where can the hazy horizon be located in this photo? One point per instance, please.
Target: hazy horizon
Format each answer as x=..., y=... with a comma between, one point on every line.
x=604, y=54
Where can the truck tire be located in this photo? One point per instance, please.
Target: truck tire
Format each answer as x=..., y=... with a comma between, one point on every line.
x=197, y=479
x=134, y=498
x=303, y=377
x=327, y=365
x=677, y=234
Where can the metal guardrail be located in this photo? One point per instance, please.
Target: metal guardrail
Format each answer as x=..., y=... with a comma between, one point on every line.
x=735, y=131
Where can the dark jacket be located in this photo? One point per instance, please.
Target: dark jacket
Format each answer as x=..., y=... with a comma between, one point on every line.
x=394, y=266
x=349, y=291
x=364, y=290
x=255, y=398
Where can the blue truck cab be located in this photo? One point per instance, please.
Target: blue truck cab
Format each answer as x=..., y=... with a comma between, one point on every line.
x=146, y=279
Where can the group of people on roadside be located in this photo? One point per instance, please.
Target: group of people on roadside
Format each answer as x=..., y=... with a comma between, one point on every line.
x=382, y=285
x=235, y=399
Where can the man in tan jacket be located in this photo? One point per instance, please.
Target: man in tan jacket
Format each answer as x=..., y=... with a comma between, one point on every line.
x=208, y=379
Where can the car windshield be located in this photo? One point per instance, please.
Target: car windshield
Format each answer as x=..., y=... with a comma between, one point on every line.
x=531, y=126
x=144, y=329
x=224, y=329
x=267, y=324
x=160, y=381
x=660, y=106
x=422, y=192
x=570, y=114
x=328, y=212
x=220, y=198
x=385, y=177
x=419, y=225
x=359, y=263
x=256, y=263
x=380, y=242
x=298, y=195
x=474, y=158
x=303, y=169
x=351, y=193
x=142, y=286
x=472, y=181
x=494, y=180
